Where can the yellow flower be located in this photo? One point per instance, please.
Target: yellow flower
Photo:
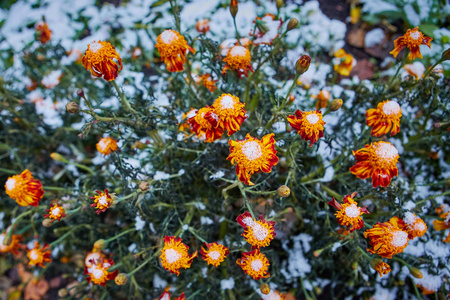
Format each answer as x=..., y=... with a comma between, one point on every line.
x=174, y=255
x=414, y=226
x=99, y=60
x=106, y=145
x=38, y=256
x=208, y=82
x=252, y=155
x=230, y=111
x=205, y=124
x=381, y=267
x=55, y=212
x=214, y=253
x=103, y=201
x=344, y=62
x=322, y=99
x=412, y=39
x=254, y=264
x=309, y=125
x=238, y=59
x=172, y=47
x=258, y=233
x=349, y=214
x=24, y=189
x=384, y=118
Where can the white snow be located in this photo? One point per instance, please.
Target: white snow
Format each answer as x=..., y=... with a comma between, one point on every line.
x=252, y=150
x=227, y=284
x=374, y=37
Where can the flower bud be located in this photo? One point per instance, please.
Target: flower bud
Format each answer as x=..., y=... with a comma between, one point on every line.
x=62, y=293
x=7, y=240
x=280, y=4
x=264, y=288
x=415, y=272
x=57, y=157
x=283, y=191
x=302, y=64
x=72, y=107
x=317, y=252
x=144, y=185
x=80, y=93
x=234, y=7
x=47, y=223
x=446, y=55
x=100, y=244
x=293, y=23
x=262, y=27
x=336, y=104
x=375, y=262
x=121, y=279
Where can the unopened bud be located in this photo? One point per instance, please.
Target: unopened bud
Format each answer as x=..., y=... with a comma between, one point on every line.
x=262, y=27
x=375, y=262
x=100, y=244
x=234, y=7
x=7, y=240
x=415, y=272
x=280, y=4
x=283, y=191
x=62, y=293
x=144, y=185
x=446, y=55
x=293, y=23
x=80, y=93
x=47, y=223
x=57, y=157
x=264, y=288
x=121, y=279
x=317, y=252
x=72, y=107
x=336, y=104
x=355, y=265
x=302, y=64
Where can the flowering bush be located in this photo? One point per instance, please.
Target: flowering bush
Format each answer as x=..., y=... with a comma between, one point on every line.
x=222, y=150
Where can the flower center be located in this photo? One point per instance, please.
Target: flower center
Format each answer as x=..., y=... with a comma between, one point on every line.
x=97, y=273
x=419, y=226
x=391, y=108
x=399, y=238
x=252, y=150
x=168, y=36
x=214, y=255
x=11, y=184
x=94, y=47
x=55, y=211
x=34, y=255
x=312, y=119
x=259, y=232
x=172, y=255
x=256, y=265
x=352, y=211
x=238, y=51
x=247, y=221
x=227, y=102
x=415, y=35
x=386, y=151
x=103, y=200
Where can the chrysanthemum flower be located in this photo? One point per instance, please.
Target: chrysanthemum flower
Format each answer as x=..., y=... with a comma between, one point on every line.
x=349, y=214
x=38, y=256
x=443, y=224
x=382, y=268
x=214, y=253
x=230, y=111
x=238, y=59
x=14, y=246
x=377, y=160
x=384, y=118
x=412, y=39
x=208, y=82
x=255, y=264
x=44, y=33
x=175, y=256
x=266, y=29
x=103, y=201
x=252, y=155
x=274, y=295
x=258, y=233
x=202, y=26
x=172, y=47
x=388, y=238
x=55, y=212
x=309, y=125
x=344, y=62
x=24, y=189
x=322, y=99
x=205, y=124
x=99, y=60
x=414, y=226
x=98, y=272
x=106, y=145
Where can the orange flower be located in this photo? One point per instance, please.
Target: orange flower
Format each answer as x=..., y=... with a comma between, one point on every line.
x=266, y=29
x=208, y=82
x=414, y=226
x=344, y=62
x=425, y=291
x=443, y=209
x=14, y=246
x=166, y=295
x=99, y=60
x=258, y=233
x=172, y=47
x=309, y=125
x=412, y=39
x=252, y=155
x=106, y=145
x=442, y=225
x=382, y=268
x=38, y=256
x=388, y=238
x=43, y=32
x=214, y=253
x=238, y=59
x=103, y=201
x=202, y=26
x=349, y=214
x=184, y=124
x=275, y=295
x=230, y=111
x=377, y=160
x=55, y=212
x=205, y=124
x=24, y=189
x=322, y=99
x=93, y=257
x=136, y=53
x=255, y=264
x=384, y=118
x=175, y=256
x=98, y=272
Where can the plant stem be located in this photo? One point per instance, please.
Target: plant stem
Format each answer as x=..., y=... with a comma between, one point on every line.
x=119, y=235
x=246, y=201
x=428, y=72
x=191, y=230
x=123, y=99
